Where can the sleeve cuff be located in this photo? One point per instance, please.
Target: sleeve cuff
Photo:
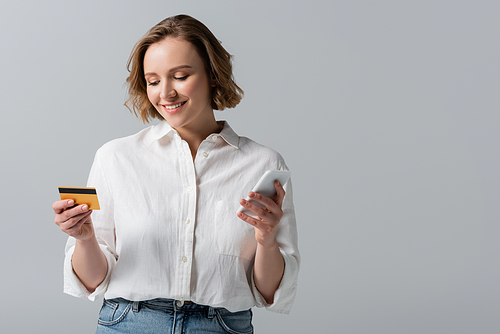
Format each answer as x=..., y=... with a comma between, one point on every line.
x=72, y=284
x=285, y=294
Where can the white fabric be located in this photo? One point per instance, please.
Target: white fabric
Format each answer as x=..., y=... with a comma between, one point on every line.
x=168, y=225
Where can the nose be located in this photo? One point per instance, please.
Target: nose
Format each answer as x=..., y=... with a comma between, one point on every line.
x=167, y=91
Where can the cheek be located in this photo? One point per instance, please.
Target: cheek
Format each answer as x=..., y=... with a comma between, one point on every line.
x=199, y=89
x=151, y=95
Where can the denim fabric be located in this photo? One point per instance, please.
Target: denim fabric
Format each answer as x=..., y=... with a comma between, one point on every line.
x=166, y=316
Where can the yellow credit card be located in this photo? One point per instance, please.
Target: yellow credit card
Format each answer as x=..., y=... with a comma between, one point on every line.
x=81, y=196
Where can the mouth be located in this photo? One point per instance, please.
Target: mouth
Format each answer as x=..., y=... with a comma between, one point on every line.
x=173, y=108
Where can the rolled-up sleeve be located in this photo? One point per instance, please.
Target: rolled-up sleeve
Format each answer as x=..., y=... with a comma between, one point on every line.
x=288, y=242
x=73, y=286
x=103, y=223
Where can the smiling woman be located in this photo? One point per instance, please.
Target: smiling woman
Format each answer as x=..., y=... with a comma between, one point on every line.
x=178, y=87
x=225, y=93
x=167, y=248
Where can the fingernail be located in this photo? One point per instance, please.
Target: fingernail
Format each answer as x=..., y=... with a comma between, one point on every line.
x=70, y=202
x=243, y=201
x=84, y=207
x=252, y=194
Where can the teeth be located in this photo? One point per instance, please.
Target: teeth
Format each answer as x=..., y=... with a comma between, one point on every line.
x=174, y=106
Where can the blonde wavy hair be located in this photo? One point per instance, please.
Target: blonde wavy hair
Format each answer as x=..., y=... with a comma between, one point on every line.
x=217, y=61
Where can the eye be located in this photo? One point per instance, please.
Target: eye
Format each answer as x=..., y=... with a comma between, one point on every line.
x=153, y=83
x=181, y=78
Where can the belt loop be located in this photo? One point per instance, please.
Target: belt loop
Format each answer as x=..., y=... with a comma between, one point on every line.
x=135, y=306
x=211, y=312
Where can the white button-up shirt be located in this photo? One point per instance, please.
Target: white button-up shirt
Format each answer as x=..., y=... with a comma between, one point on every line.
x=168, y=224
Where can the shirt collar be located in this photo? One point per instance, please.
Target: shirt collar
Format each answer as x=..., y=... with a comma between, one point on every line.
x=159, y=131
x=229, y=135
x=162, y=129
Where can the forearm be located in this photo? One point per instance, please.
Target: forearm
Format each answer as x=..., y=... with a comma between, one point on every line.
x=269, y=267
x=89, y=263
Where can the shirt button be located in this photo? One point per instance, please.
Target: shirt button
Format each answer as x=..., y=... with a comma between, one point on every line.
x=205, y=154
x=184, y=259
x=188, y=221
x=189, y=189
x=180, y=302
x=214, y=137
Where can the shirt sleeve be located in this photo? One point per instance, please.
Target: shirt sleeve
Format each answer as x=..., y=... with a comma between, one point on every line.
x=103, y=222
x=288, y=242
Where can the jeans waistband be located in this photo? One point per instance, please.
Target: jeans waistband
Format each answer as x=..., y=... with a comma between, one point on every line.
x=170, y=305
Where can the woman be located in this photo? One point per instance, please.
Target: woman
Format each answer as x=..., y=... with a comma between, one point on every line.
x=167, y=249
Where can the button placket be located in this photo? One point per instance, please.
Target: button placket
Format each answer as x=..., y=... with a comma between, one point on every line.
x=188, y=210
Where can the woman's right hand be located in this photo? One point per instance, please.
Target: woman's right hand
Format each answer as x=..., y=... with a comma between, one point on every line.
x=74, y=221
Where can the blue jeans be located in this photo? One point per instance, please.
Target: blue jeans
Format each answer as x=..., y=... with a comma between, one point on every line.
x=169, y=316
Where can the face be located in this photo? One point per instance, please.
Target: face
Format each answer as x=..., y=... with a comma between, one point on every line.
x=177, y=84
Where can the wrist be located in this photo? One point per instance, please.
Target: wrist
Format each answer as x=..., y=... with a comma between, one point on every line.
x=268, y=245
x=87, y=241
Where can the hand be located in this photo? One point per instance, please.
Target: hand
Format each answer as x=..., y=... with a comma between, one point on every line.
x=74, y=221
x=267, y=220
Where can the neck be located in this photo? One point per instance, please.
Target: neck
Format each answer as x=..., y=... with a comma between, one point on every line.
x=194, y=136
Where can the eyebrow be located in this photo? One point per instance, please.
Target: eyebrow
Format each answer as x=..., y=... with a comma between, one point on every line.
x=173, y=69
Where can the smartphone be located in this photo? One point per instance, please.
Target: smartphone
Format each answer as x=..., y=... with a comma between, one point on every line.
x=265, y=187
x=81, y=196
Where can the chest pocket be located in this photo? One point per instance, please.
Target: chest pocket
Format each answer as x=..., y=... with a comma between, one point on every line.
x=233, y=236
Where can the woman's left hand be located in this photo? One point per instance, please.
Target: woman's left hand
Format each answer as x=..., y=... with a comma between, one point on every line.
x=267, y=220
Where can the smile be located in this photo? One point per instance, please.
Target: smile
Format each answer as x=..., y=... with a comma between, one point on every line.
x=174, y=106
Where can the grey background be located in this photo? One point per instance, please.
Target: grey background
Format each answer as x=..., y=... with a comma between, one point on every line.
x=387, y=113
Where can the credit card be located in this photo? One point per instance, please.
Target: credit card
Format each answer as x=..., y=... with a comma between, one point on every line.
x=81, y=196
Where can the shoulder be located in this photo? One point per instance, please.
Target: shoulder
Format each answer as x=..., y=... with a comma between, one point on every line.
x=250, y=150
x=126, y=144
x=263, y=153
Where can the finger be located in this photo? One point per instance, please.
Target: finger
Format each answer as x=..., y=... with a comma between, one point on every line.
x=262, y=214
x=67, y=223
x=256, y=210
x=260, y=224
x=72, y=212
x=60, y=206
x=75, y=222
x=269, y=203
x=280, y=193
